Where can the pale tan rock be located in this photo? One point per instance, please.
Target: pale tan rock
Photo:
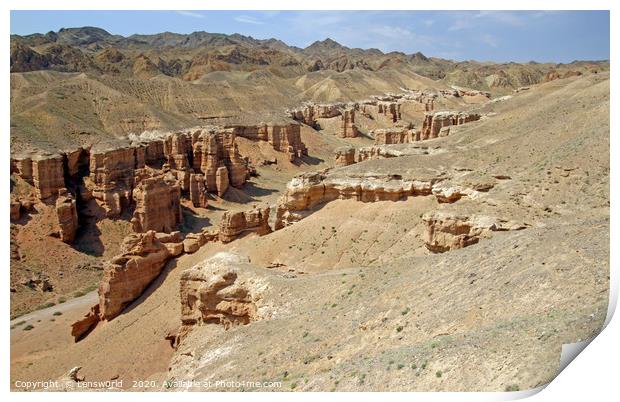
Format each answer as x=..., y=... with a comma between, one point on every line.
x=344, y=156
x=445, y=231
x=191, y=245
x=175, y=249
x=233, y=224
x=213, y=293
x=435, y=122
x=221, y=181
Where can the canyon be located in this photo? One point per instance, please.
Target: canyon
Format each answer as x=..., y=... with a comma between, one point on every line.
x=362, y=229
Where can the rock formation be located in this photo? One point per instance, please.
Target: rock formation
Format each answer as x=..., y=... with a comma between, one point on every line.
x=15, y=209
x=391, y=110
x=234, y=224
x=283, y=137
x=66, y=211
x=308, y=190
x=395, y=135
x=434, y=122
x=345, y=156
x=81, y=327
x=126, y=276
x=348, y=129
x=158, y=206
x=198, y=190
x=221, y=181
x=44, y=171
x=445, y=231
x=212, y=292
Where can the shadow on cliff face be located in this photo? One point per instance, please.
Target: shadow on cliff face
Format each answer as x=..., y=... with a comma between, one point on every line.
x=87, y=237
x=193, y=222
x=308, y=160
x=152, y=287
x=251, y=190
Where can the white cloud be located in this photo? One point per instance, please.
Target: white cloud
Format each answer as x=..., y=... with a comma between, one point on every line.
x=468, y=20
x=391, y=32
x=190, y=14
x=490, y=40
x=246, y=19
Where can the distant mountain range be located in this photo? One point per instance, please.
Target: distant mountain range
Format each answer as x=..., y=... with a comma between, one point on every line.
x=189, y=57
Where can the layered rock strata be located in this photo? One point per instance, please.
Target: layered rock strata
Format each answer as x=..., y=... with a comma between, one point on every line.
x=285, y=138
x=446, y=231
x=126, y=276
x=234, y=224
x=344, y=156
x=158, y=206
x=66, y=212
x=395, y=135
x=435, y=122
x=348, y=129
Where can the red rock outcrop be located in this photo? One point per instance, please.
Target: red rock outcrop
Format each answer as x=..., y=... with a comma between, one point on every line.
x=348, y=129
x=66, y=211
x=221, y=181
x=390, y=110
x=47, y=174
x=234, y=224
x=126, y=276
x=81, y=327
x=434, y=122
x=16, y=207
x=111, y=178
x=198, y=190
x=283, y=137
x=344, y=156
x=395, y=135
x=214, y=293
x=158, y=206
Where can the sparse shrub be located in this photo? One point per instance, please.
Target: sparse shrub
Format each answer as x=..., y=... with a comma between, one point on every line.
x=438, y=374
x=414, y=366
x=512, y=388
x=434, y=345
x=405, y=311
x=400, y=366
x=28, y=327
x=399, y=328
x=57, y=313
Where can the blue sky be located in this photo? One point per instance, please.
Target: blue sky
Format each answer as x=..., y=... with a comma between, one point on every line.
x=521, y=36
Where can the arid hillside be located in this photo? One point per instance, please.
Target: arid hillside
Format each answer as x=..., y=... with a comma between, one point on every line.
x=216, y=207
